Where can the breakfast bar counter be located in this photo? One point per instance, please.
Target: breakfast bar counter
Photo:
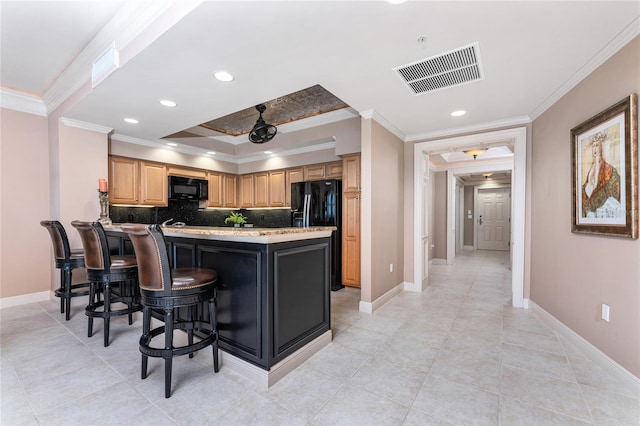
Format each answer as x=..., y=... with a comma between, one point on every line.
x=274, y=284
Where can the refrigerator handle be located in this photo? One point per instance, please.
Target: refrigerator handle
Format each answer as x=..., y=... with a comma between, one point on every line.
x=307, y=207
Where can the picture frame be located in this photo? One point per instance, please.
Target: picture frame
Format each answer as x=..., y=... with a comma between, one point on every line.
x=604, y=156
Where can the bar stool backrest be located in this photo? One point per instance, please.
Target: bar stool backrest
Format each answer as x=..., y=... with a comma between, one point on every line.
x=61, y=249
x=154, y=269
x=94, y=241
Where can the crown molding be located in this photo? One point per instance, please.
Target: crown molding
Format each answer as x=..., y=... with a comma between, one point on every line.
x=481, y=127
x=69, y=122
x=372, y=114
x=18, y=101
x=320, y=145
x=122, y=30
x=625, y=36
x=318, y=120
x=330, y=144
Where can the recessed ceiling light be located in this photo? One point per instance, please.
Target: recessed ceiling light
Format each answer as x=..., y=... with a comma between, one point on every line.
x=167, y=103
x=211, y=152
x=131, y=120
x=458, y=113
x=268, y=152
x=396, y=1
x=223, y=76
x=172, y=144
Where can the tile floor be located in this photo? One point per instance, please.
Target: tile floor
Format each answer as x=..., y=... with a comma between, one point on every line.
x=457, y=354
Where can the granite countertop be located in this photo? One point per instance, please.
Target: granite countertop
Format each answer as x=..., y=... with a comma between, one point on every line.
x=227, y=233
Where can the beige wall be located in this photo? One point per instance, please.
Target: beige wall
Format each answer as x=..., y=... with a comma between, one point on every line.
x=25, y=249
x=439, y=201
x=387, y=213
x=408, y=213
x=82, y=161
x=468, y=223
x=573, y=274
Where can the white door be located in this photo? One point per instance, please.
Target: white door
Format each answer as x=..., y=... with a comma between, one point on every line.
x=494, y=224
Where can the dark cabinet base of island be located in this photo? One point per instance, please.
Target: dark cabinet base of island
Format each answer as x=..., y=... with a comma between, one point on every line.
x=273, y=297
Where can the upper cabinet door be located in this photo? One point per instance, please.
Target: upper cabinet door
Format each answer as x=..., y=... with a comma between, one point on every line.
x=333, y=170
x=351, y=173
x=153, y=184
x=292, y=176
x=230, y=196
x=261, y=189
x=246, y=191
x=314, y=172
x=216, y=189
x=277, y=194
x=123, y=180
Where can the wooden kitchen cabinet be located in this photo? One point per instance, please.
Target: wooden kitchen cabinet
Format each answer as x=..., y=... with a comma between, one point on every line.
x=261, y=189
x=351, y=197
x=351, y=173
x=277, y=191
x=333, y=170
x=314, y=172
x=230, y=186
x=137, y=182
x=292, y=176
x=246, y=190
x=216, y=189
x=153, y=184
x=124, y=187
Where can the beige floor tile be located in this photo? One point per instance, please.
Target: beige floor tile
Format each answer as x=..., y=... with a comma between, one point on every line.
x=611, y=408
x=590, y=374
x=305, y=391
x=259, y=410
x=539, y=362
x=338, y=361
x=355, y=406
x=457, y=403
x=513, y=412
x=390, y=380
x=545, y=392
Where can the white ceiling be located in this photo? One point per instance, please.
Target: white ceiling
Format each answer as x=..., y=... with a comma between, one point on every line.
x=532, y=53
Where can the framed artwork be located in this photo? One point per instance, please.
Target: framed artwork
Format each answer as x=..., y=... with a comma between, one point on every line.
x=604, y=155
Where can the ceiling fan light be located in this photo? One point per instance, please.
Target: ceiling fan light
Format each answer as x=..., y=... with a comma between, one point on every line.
x=262, y=132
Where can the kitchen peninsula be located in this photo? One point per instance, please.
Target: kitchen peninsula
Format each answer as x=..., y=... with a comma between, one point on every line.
x=273, y=295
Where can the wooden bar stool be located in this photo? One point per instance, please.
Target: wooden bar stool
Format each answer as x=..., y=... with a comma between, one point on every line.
x=164, y=290
x=67, y=259
x=103, y=271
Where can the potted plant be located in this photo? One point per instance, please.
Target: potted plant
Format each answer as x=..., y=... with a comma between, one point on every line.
x=236, y=218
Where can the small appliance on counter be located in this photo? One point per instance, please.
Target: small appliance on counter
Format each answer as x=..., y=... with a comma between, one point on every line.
x=318, y=203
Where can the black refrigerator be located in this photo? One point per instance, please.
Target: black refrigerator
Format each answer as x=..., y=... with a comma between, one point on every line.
x=318, y=203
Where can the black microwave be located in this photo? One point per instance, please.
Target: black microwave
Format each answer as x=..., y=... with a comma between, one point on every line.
x=183, y=188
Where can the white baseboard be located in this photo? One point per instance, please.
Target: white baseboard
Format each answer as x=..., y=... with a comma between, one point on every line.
x=266, y=379
x=525, y=303
x=23, y=299
x=436, y=261
x=369, y=308
x=407, y=286
x=593, y=353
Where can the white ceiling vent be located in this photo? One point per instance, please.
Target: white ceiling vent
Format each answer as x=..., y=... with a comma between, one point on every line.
x=449, y=69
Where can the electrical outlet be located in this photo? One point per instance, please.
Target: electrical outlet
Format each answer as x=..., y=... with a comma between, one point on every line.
x=391, y=267
x=605, y=312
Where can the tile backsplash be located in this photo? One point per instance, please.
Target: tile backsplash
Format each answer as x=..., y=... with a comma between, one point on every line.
x=189, y=213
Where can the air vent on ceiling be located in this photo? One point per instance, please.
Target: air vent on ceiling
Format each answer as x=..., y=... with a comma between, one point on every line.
x=448, y=69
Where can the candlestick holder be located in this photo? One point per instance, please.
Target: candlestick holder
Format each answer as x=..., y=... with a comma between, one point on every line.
x=104, y=208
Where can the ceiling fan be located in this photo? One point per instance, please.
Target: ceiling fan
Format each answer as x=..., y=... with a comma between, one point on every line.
x=262, y=132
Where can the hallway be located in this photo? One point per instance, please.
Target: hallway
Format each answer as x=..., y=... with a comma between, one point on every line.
x=457, y=354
